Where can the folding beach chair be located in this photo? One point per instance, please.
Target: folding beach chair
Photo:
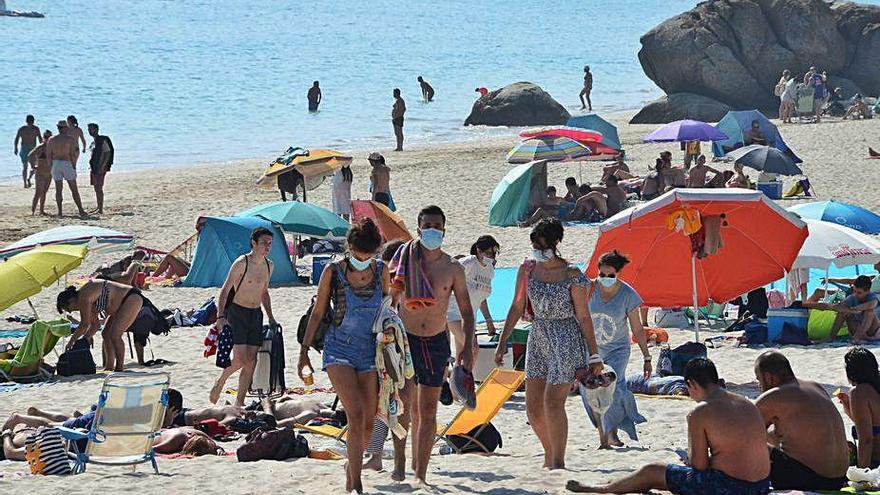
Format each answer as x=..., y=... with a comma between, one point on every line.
x=130, y=411
x=340, y=434
x=495, y=390
x=712, y=313
x=39, y=342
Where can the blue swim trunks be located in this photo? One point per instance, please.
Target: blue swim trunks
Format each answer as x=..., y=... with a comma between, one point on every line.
x=684, y=480
x=83, y=422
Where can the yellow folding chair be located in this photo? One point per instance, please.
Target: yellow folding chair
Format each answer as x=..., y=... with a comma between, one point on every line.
x=495, y=390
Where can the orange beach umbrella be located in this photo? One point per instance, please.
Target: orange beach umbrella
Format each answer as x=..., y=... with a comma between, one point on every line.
x=390, y=224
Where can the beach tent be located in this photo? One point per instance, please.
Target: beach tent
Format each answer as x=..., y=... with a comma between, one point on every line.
x=610, y=143
x=222, y=240
x=523, y=185
x=736, y=123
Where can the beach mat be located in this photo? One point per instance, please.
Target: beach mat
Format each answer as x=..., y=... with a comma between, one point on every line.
x=13, y=334
x=12, y=386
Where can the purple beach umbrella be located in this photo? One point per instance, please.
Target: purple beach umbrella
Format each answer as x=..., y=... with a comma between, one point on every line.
x=685, y=130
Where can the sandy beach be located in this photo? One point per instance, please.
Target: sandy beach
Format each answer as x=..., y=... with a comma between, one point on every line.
x=160, y=208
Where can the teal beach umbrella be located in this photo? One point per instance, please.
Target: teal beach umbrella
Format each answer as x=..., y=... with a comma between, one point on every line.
x=298, y=218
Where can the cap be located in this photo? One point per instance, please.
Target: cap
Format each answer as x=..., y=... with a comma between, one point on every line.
x=376, y=157
x=62, y=123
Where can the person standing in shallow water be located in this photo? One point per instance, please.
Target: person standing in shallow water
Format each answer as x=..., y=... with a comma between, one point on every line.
x=588, y=88
x=397, y=112
x=27, y=136
x=314, y=97
x=427, y=89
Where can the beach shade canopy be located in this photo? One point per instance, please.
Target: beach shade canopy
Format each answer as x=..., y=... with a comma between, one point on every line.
x=223, y=240
x=521, y=187
x=390, y=224
x=553, y=149
x=25, y=274
x=852, y=216
x=97, y=239
x=832, y=244
x=586, y=137
x=298, y=218
x=736, y=123
x=610, y=144
x=315, y=165
x=759, y=243
x=765, y=159
x=685, y=130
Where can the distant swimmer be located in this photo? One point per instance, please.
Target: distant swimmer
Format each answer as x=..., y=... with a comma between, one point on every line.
x=588, y=88
x=427, y=90
x=482, y=90
x=397, y=112
x=314, y=97
x=27, y=136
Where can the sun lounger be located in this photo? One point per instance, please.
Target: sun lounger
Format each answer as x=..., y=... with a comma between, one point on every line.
x=130, y=411
x=39, y=341
x=495, y=390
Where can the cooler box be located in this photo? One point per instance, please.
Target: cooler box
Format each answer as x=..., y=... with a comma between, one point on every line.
x=318, y=264
x=485, y=361
x=772, y=190
x=518, y=339
x=777, y=318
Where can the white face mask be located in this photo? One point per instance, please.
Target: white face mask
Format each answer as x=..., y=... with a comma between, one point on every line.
x=488, y=260
x=359, y=265
x=542, y=255
x=607, y=282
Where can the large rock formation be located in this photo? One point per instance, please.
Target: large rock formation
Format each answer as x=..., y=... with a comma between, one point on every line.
x=734, y=51
x=680, y=106
x=517, y=104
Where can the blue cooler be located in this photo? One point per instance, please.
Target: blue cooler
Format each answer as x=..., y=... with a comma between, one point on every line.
x=777, y=318
x=772, y=190
x=318, y=264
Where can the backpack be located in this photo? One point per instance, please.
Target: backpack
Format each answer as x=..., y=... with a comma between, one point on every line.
x=484, y=439
x=671, y=362
x=45, y=452
x=161, y=325
x=273, y=444
x=755, y=333
x=77, y=360
x=324, y=324
x=792, y=335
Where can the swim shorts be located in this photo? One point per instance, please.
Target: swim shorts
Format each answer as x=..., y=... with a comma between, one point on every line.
x=180, y=418
x=383, y=198
x=684, y=480
x=83, y=422
x=97, y=179
x=398, y=122
x=430, y=356
x=789, y=474
x=246, y=324
x=313, y=106
x=63, y=170
x=23, y=153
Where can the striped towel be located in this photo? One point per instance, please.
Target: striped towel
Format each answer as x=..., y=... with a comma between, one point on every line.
x=408, y=275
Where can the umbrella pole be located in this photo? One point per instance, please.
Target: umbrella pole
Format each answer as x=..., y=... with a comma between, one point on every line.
x=696, y=307
x=33, y=308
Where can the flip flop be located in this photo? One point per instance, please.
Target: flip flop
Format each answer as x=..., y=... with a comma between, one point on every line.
x=157, y=362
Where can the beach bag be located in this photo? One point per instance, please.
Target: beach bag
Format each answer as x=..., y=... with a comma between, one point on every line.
x=206, y=314
x=272, y=444
x=77, y=360
x=45, y=452
x=484, y=439
x=653, y=334
x=671, y=318
x=672, y=361
x=792, y=335
x=755, y=333
x=324, y=324
x=224, y=348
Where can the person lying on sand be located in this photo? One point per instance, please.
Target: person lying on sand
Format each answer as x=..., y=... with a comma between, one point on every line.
x=124, y=271
x=292, y=409
x=226, y=415
x=808, y=449
x=858, y=109
x=727, y=443
x=185, y=440
x=857, y=311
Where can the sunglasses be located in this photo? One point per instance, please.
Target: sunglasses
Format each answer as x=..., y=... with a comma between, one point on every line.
x=608, y=275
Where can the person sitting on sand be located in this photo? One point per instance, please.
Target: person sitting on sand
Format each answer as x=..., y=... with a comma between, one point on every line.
x=862, y=404
x=548, y=208
x=615, y=196
x=124, y=271
x=808, y=449
x=857, y=311
x=697, y=173
x=858, y=109
x=655, y=183
x=572, y=190
x=618, y=169
x=820, y=294
x=673, y=177
x=739, y=179
x=727, y=443
x=754, y=135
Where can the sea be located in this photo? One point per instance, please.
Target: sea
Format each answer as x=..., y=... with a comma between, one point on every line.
x=191, y=81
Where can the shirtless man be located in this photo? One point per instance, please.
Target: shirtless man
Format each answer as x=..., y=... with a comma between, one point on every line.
x=427, y=89
x=380, y=178
x=549, y=207
x=223, y=414
x=808, y=449
x=727, y=446
x=289, y=410
x=76, y=131
x=62, y=153
x=314, y=97
x=245, y=290
x=754, y=135
x=697, y=173
x=588, y=88
x=619, y=169
x=615, y=196
x=426, y=329
x=28, y=135
x=397, y=111
x=857, y=311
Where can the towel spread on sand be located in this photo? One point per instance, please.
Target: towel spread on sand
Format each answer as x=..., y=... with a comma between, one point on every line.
x=408, y=275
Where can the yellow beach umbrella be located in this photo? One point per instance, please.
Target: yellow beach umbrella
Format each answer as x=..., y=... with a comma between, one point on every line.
x=318, y=164
x=25, y=274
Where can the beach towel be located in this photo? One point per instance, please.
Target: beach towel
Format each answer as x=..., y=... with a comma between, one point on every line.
x=394, y=365
x=408, y=275
x=13, y=334
x=211, y=339
x=657, y=385
x=224, y=348
x=12, y=386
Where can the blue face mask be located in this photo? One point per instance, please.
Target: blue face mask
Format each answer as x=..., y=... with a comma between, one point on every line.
x=431, y=239
x=358, y=264
x=542, y=255
x=606, y=282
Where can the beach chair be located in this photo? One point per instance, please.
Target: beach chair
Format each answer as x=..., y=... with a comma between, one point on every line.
x=495, y=390
x=131, y=408
x=340, y=434
x=711, y=313
x=39, y=342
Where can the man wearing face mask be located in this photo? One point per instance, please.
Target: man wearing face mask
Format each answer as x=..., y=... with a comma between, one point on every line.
x=424, y=280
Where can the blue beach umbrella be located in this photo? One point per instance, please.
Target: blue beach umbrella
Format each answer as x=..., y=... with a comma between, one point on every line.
x=298, y=218
x=852, y=216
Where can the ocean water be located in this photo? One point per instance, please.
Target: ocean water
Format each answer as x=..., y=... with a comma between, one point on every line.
x=188, y=81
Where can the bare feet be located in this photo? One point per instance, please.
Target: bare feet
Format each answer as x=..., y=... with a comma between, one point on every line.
x=374, y=463
x=398, y=475
x=575, y=486
x=214, y=395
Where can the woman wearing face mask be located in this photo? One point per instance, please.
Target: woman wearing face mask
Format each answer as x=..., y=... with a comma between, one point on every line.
x=479, y=269
x=614, y=307
x=561, y=340
x=349, y=355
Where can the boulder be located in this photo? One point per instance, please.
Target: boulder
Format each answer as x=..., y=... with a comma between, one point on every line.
x=518, y=104
x=734, y=51
x=680, y=106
